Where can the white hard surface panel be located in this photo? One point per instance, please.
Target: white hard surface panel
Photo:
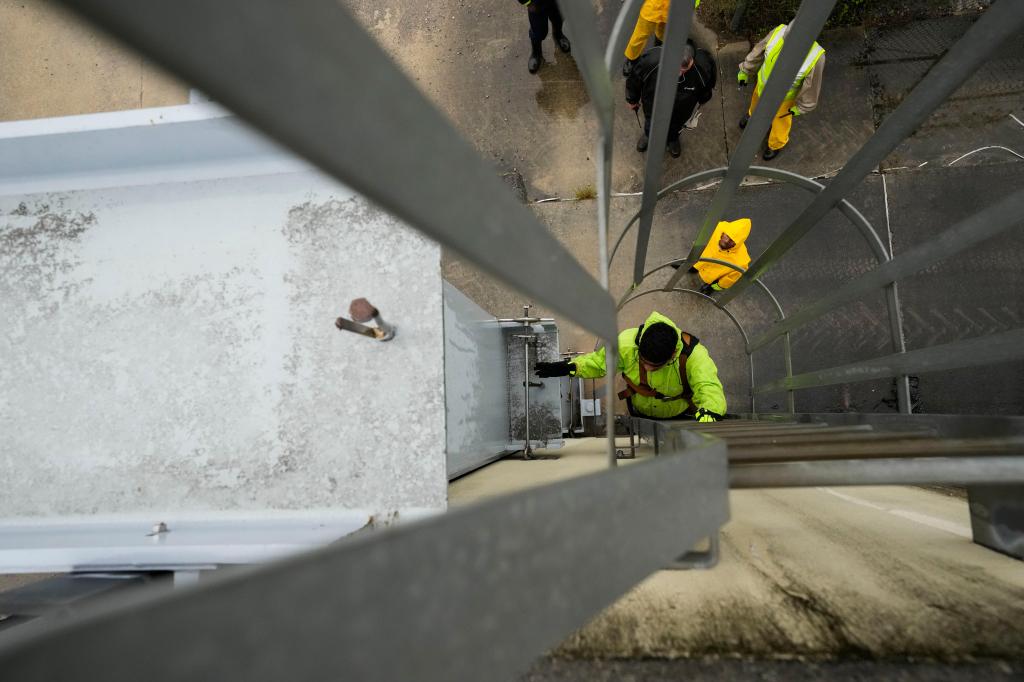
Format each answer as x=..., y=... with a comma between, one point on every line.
x=45, y=546
x=171, y=347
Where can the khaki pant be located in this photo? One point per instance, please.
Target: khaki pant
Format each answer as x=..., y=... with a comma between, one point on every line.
x=781, y=124
x=641, y=32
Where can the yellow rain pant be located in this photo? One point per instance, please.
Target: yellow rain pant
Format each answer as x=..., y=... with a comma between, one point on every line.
x=781, y=124
x=641, y=33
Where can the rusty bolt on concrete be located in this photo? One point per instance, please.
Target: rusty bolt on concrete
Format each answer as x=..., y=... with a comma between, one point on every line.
x=362, y=311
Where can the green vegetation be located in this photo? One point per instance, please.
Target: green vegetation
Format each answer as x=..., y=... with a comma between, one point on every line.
x=586, y=192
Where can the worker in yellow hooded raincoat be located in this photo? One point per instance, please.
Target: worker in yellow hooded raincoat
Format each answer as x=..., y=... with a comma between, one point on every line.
x=668, y=372
x=727, y=243
x=653, y=18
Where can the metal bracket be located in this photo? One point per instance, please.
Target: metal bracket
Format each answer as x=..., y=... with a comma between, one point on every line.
x=698, y=560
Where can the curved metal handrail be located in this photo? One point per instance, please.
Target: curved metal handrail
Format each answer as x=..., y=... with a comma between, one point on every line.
x=869, y=233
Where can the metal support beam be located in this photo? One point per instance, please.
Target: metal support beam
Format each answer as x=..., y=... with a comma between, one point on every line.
x=810, y=18
x=298, y=88
x=597, y=78
x=478, y=592
x=977, y=352
x=621, y=32
x=1000, y=21
x=921, y=471
x=680, y=16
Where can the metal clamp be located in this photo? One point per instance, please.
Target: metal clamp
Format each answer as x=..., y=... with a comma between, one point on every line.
x=698, y=560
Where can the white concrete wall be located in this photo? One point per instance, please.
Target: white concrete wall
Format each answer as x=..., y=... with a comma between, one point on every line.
x=170, y=346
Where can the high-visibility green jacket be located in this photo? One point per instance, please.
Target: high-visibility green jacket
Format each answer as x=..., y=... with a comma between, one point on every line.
x=700, y=370
x=806, y=86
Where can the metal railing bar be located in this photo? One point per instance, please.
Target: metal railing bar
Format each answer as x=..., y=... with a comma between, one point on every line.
x=918, y=471
x=904, y=403
x=478, y=592
x=303, y=89
x=895, y=445
x=621, y=31
x=981, y=226
x=737, y=444
x=977, y=352
x=810, y=19
x=596, y=77
x=729, y=314
x=869, y=233
x=680, y=16
x=944, y=425
x=999, y=22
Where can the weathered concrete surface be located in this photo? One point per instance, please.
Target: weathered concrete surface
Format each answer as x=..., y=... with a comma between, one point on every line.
x=53, y=64
x=885, y=573
x=976, y=115
x=172, y=347
x=471, y=61
x=716, y=670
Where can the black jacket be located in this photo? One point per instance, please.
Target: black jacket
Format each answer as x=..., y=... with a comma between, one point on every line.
x=693, y=88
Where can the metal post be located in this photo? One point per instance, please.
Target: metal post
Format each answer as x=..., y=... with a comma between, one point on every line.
x=680, y=15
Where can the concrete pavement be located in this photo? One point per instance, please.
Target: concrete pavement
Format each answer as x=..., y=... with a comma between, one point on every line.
x=51, y=64
x=817, y=573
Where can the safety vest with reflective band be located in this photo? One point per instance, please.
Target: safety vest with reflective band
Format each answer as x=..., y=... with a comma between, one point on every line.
x=644, y=389
x=771, y=53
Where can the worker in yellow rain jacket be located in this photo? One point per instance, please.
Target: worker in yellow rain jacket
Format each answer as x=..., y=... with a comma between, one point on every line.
x=727, y=243
x=653, y=18
x=668, y=372
x=802, y=97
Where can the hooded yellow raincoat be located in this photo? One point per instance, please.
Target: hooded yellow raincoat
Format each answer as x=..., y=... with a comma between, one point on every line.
x=701, y=375
x=722, y=276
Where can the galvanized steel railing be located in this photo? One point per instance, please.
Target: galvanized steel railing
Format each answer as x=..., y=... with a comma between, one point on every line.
x=482, y=590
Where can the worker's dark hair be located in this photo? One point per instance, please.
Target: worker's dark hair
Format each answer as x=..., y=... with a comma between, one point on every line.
x=658, y=343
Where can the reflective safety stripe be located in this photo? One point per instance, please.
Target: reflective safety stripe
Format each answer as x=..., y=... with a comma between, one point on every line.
x=771, y=53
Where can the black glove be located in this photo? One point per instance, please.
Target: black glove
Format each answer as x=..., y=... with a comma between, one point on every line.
x=705, y=415
x=562, y=368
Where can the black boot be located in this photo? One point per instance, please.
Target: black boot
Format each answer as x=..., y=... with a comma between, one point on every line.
x=536, y=55
x=744, y=121
x=673, y=148
x=770, y=153
x=627, y=66
x=563, y=44
x=641, y=144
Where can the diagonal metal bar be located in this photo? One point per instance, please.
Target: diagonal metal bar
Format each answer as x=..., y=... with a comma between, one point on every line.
x=983, y=225
x=977, y=352
x=476, y=593
x=810, y=19
x=597, y=78
x=918, y=471
x=680, y=16
x=1001, y=21
x=621, y=32
x=325, y=89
